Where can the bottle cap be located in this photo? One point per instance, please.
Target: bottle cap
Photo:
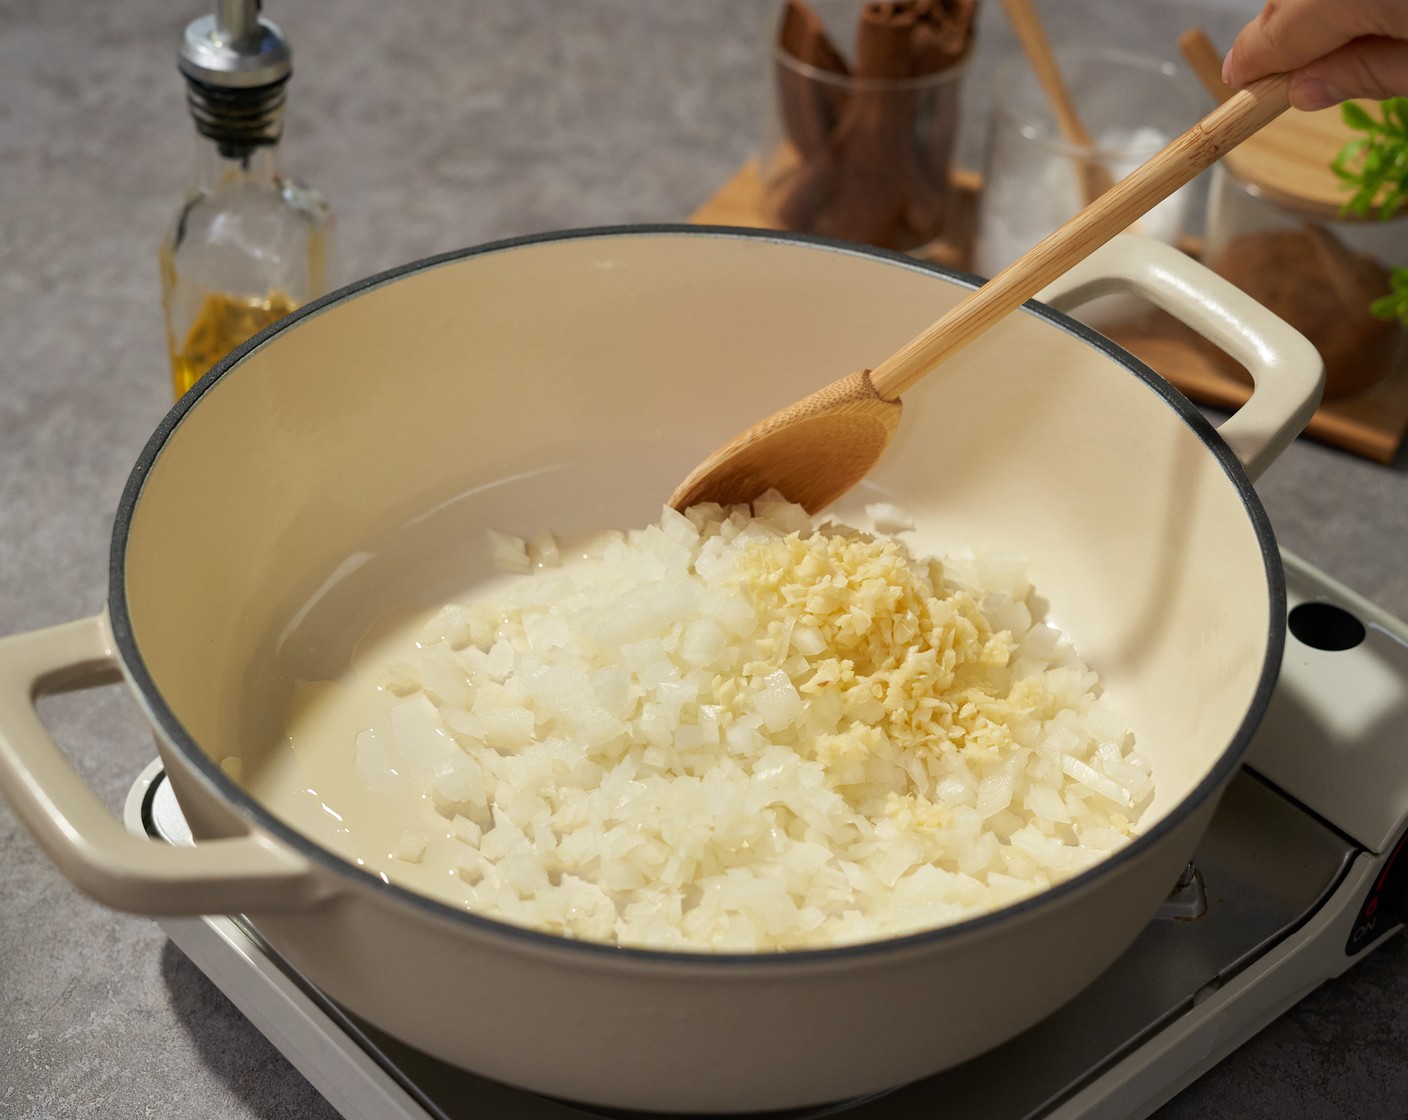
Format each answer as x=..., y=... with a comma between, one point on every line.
x=236, y=66
x=235, y=48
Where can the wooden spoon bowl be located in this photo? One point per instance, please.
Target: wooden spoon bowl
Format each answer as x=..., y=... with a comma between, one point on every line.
x=848, y=417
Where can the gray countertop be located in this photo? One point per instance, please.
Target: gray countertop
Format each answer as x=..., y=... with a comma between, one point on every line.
x=431, y=126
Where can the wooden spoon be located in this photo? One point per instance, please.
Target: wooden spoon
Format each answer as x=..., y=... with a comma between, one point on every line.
x=815, y=450
x=1095, y=177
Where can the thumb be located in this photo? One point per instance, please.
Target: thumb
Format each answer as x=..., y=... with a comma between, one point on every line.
x=1373, y=68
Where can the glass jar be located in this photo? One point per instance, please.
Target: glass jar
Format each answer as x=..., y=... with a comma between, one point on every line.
x=861, y=149
x=1034, y=178
x=1318, y=270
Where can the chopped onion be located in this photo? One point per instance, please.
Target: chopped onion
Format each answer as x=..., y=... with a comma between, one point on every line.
x=736, y=730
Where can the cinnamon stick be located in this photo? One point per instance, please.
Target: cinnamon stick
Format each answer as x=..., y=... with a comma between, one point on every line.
x=882, y=175
x=810, y=109
x=942, y=35
x=942, y=39
x=874, y=138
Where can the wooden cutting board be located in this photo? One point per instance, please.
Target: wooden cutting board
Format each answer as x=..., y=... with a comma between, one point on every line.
x=1371, y=424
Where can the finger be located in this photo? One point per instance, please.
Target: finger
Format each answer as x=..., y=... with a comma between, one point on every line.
x=1288, y=34
x=1369, y=68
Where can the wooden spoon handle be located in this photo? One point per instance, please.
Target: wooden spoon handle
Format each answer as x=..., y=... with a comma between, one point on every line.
x=1021, y=14
x=1204, y=61
x=1133, y=196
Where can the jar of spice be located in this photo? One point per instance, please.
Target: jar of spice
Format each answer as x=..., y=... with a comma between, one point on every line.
x=858, y=143
x=1275, y=228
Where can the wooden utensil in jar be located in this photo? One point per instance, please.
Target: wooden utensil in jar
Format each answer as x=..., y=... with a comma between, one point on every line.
x=1095, y=177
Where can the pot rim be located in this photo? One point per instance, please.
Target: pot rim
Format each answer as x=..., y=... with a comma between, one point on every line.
x=524, y=937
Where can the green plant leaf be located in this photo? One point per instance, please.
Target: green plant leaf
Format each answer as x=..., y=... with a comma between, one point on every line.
x=1356, y=116
x=1374, y=166
x=1394, y=305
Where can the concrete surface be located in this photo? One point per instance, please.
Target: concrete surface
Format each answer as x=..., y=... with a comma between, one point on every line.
x=430, y=126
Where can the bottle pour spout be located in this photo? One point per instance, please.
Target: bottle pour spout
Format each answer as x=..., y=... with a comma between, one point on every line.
x=236, y=65
x=237, y=21
x=235, y=47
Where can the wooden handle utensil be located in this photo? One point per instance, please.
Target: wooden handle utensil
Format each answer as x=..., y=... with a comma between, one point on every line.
x=1095, y=178
x=815, y=450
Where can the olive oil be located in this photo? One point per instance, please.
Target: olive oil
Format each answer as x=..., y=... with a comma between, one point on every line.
x=249, y=243
x=221, y=324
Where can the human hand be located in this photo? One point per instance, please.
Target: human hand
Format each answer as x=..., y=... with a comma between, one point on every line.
x=1334, y=50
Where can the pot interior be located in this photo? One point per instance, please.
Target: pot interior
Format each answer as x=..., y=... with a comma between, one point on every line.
x=341, y=472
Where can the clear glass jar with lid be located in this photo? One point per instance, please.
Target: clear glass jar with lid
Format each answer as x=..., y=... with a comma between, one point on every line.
x=1276, y=229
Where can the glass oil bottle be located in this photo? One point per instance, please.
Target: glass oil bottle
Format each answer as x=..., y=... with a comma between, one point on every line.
x=249, y=244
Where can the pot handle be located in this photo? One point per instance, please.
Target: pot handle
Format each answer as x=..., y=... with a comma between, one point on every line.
x=1287, y=373
x=92, y=847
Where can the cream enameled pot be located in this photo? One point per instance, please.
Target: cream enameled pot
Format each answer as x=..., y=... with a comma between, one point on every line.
x=322, y=474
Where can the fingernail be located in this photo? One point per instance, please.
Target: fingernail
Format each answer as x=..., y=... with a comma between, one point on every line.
x=1309, y=93
x=1227, y=68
